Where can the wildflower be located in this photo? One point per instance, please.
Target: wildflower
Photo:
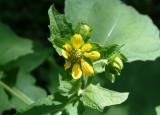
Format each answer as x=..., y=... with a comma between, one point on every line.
x=75, y=55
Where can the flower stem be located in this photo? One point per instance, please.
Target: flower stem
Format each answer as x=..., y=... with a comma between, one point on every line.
x=16, y=94
x=84, y=81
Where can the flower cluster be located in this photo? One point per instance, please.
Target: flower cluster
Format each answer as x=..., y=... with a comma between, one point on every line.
x=76, y=54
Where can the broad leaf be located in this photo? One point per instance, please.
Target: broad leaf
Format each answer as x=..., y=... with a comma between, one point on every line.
x=12, y=46
x=158, y=110
x=97, y=97
x=25, y=82
x=117, y=24
x=25, y=86
x=33, y=60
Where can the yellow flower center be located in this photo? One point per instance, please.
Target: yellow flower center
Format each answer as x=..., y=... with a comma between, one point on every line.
x=76, y=55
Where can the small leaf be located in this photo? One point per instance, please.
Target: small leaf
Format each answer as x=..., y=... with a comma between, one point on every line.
x=12, y=46
x=158, y=110
x=99, y=66
x=97, y=97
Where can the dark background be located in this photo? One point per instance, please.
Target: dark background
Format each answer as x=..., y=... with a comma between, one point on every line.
x=29, y=18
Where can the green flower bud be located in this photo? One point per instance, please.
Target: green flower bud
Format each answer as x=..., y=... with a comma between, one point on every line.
x=84, y=30
x=119, y=62
x=115, y=66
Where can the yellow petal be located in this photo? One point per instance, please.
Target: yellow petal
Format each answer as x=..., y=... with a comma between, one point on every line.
x=76, y=41
x=67, y=65
x=86, y=68
x=86, y=47
x=76, y=71
x=67, y=47
x=64, y=54
x=92, y=55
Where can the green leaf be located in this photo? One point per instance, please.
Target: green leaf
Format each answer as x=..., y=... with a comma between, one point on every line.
x=158, y=110
x=33, y=60
x=69, y=87
x=99, y=66
x=59, y=27
x=116, y=23
x=25, y=85
x=97, y=97
x=60, y=42
x=45, y=106
x=4, y=101
x=12, y=46
x=76, y=108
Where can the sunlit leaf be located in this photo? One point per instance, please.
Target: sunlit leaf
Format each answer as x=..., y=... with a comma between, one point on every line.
x=97, y=97
x=116, y=23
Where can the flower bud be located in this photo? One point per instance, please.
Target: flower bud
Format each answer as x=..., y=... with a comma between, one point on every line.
x=115, y=66
x=119, y=62
x=84, y=30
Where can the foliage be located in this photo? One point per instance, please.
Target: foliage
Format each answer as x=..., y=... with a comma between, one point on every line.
x=115, y=32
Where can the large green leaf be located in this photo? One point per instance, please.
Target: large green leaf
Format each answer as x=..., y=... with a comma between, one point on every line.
x=25, y=82
x=97, y=97
x=12, y=46
x=116, y=23
x=25, y=86
x=158, y=110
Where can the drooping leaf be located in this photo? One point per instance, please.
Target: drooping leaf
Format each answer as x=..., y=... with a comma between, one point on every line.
x=12, y=46
x=158, y=110
x=117, y=24
x=97, y=97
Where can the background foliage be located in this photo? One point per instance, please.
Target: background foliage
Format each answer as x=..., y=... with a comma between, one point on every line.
x=41, y=66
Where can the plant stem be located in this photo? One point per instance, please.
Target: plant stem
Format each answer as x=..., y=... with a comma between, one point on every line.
x=18, y=95
x=84, y=81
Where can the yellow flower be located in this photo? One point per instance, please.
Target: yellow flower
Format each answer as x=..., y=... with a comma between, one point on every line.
x=74, y=54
